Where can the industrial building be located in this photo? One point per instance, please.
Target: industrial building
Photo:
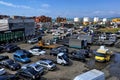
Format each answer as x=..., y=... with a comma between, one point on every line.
x=14, y=29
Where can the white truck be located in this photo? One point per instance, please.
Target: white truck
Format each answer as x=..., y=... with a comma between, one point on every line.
x=91, y=75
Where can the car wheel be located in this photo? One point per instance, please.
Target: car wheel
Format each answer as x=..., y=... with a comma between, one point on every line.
x=63, y=64
x=83, y=60
x=50, y=53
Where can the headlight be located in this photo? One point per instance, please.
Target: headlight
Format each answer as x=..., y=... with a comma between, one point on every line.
x=33, y=77
x=11, y=66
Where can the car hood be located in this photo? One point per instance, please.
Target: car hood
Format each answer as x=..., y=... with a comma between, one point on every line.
x=15, y=65
x=40, y=69
x=25, y=60
x=43, y=52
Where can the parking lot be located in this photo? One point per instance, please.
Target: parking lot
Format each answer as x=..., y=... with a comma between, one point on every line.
x=76, y=68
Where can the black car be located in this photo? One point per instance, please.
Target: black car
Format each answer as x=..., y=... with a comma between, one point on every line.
x=59, y=49
x=1, y=48
x=11, y=64
x=9, y=77
x=76, y=55
x=11, y=47
x=28, y=73
x=3, y=57
x=85, y=52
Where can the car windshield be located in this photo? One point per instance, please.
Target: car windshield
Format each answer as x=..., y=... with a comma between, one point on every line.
x=39, y=50
x=51, y=63
x=32, y=71
x=100, y=54
x=10, y=62
x=37, y=66
x=25, y=51
x=65, y=57
x=23, y=56
x=34, y=39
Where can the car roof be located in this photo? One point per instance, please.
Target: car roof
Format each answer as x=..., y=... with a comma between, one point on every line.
x=8, y=60
x=19, y=52
x=33, y=64
x=29, y=71
x=46, y=61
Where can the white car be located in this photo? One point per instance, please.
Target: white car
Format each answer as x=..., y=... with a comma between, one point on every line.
x=37, y=51
x=55, y=34
x=2, y=71
x=33, y=40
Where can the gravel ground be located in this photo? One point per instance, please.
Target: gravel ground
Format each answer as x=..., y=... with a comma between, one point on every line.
x=69, y=72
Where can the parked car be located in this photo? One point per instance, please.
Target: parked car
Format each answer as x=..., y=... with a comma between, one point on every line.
x=11, y=64
x=35, y=66
x=9, y=77
x=85, y=52
x=48, y=64
x=3, y=57
x=25, y=52
x=21, y=57
x=59, y=49
x=37, y=51
x=76, y=55
x=2, y=71
x=33, y=40
x=1, y=49
x=29, y=73
x=56, y=34
x=11, y=47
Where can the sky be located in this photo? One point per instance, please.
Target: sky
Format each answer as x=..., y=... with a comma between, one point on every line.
x=63, y=8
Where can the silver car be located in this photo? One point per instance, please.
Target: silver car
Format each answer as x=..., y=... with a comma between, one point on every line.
x=33, y=40
x=35, y=66
x=48, y=64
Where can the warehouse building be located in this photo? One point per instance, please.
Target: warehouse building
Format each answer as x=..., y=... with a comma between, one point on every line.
x=16, y=29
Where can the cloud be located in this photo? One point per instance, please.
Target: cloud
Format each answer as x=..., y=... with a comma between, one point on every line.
x=106, y=12
x=13, y=5
x=45, y=5
x=42, y=10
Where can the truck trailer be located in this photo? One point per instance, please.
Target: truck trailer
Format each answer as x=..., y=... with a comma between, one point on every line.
x=76, y=43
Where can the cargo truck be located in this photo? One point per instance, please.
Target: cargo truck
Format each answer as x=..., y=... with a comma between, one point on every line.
x=91, y=75
x=76, y=43
x=89, y=38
